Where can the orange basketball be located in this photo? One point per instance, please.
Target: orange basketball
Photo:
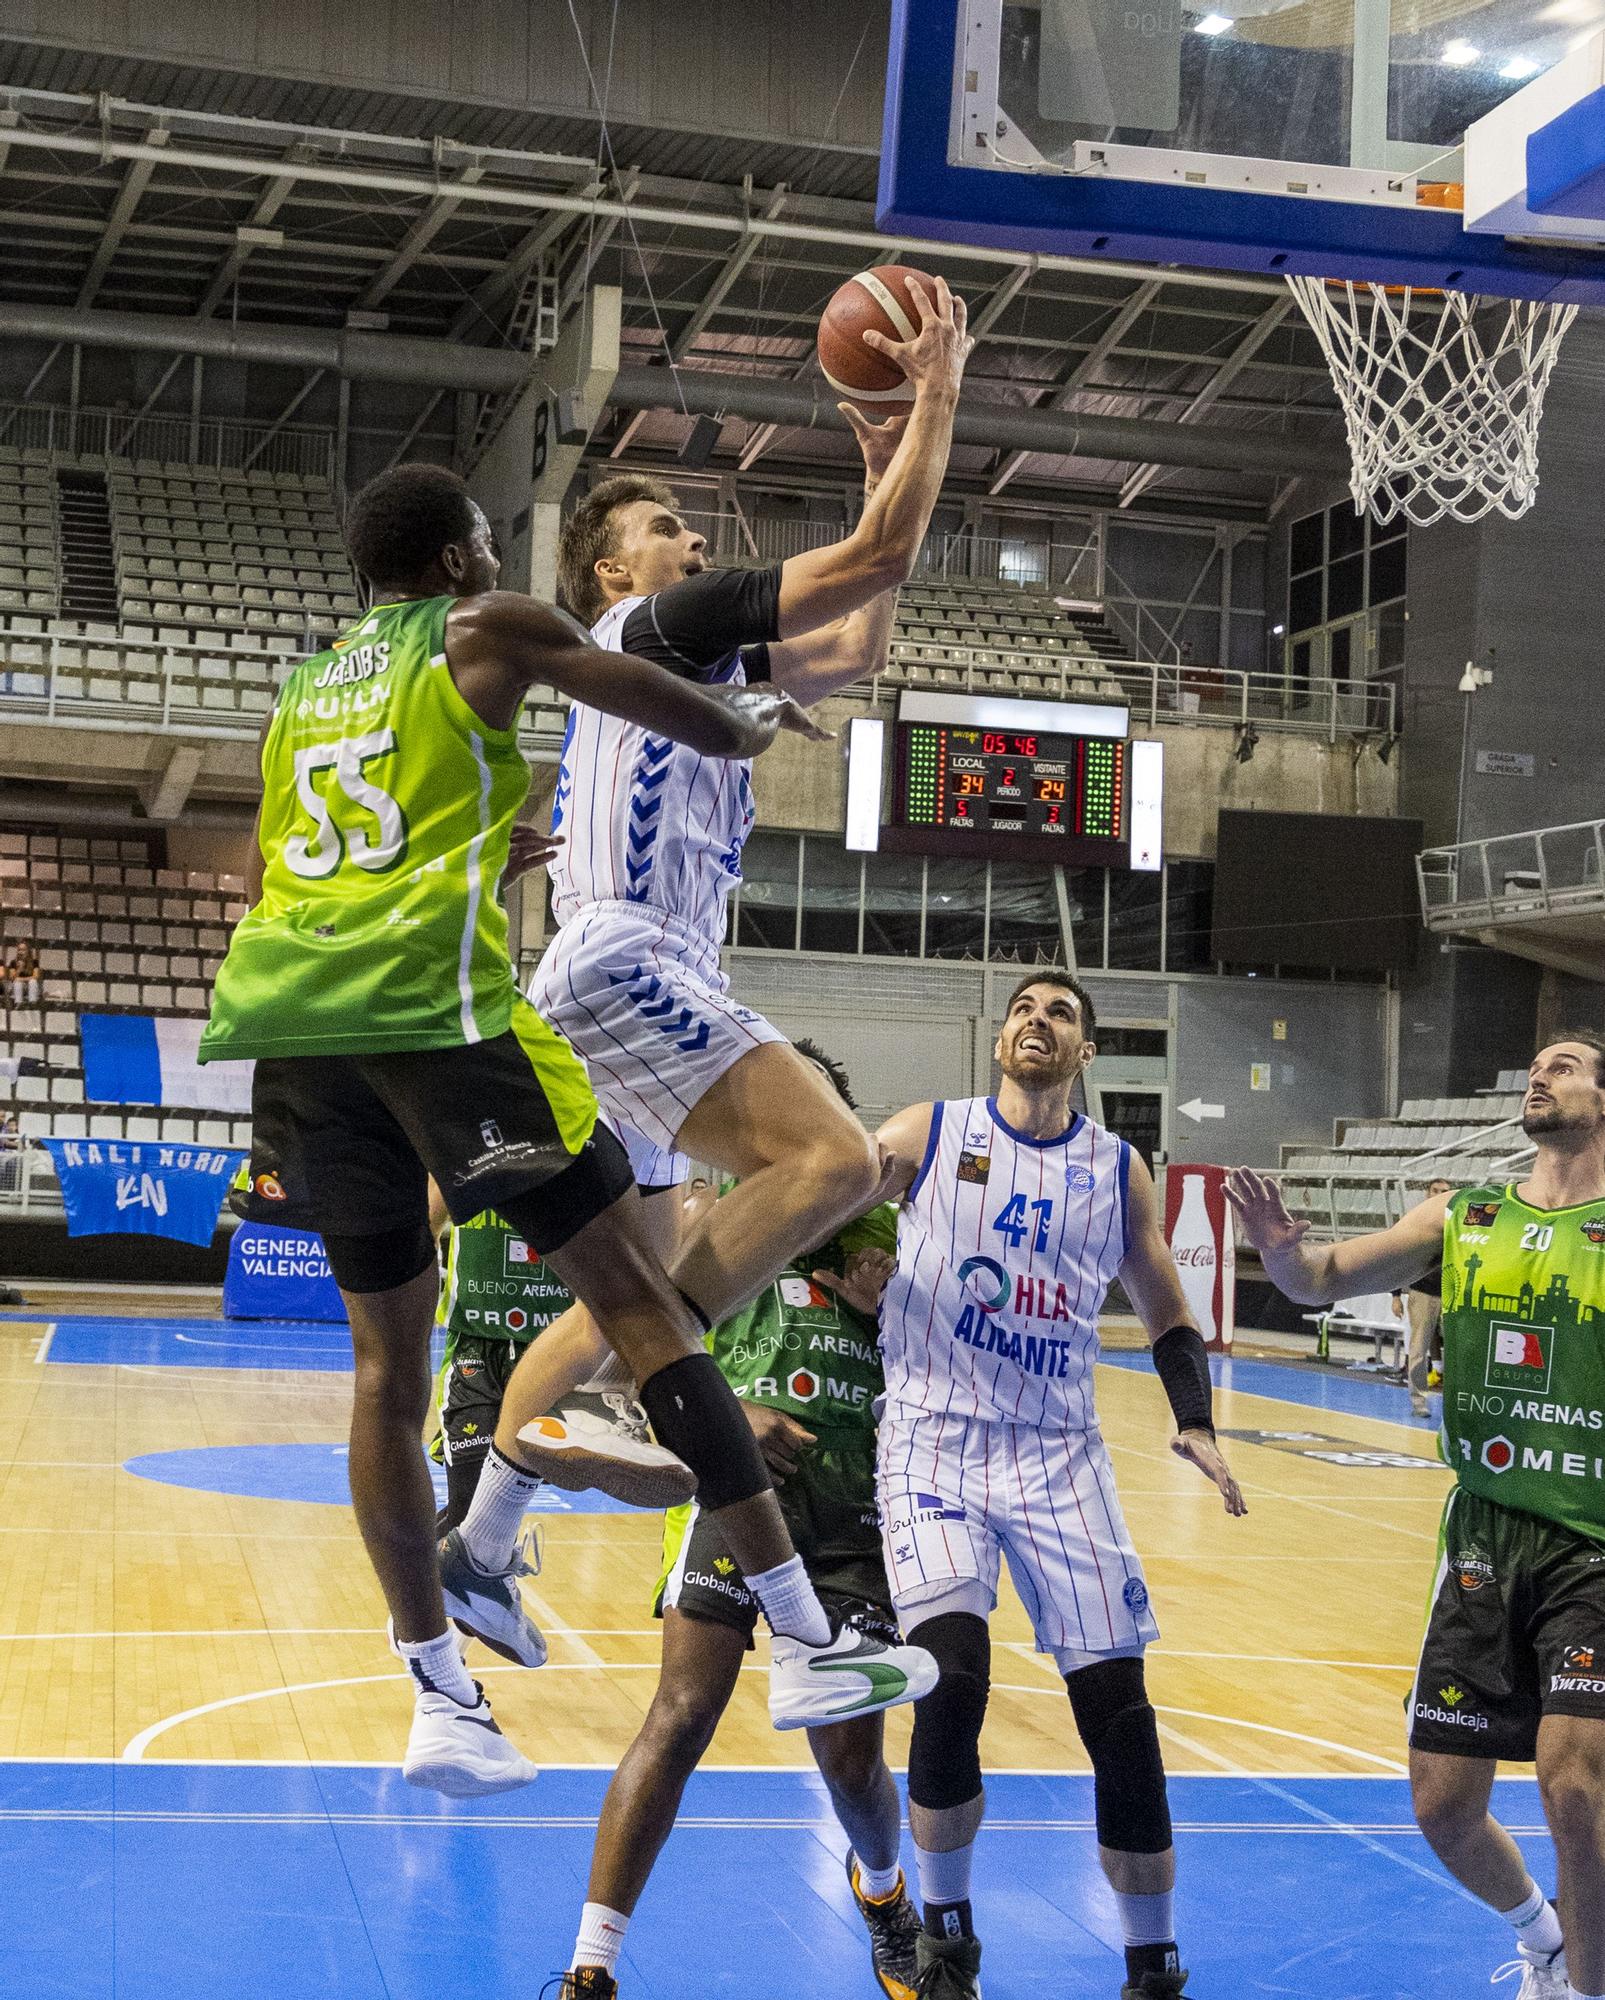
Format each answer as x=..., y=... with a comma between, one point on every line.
x=876, y=298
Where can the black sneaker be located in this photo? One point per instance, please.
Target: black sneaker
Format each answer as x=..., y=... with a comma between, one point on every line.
x=1155, y=1986
x=894, y=1930
x=585, y=1982
x=947, y=1968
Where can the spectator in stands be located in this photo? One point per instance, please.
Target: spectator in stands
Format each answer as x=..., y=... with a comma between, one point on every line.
x=22, y=975
x=10, y=1135
x=1423, y=1308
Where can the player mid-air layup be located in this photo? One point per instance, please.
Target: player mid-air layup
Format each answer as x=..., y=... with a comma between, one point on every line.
x=1513, y=1663
x=1019, y=1216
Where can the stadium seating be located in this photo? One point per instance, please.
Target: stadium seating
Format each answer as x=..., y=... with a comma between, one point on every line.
x=991, y=636
x=114, y=935
x=30, y=541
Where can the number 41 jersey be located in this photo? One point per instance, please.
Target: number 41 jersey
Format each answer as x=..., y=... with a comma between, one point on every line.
x=386, y=809
x=1006, y=1247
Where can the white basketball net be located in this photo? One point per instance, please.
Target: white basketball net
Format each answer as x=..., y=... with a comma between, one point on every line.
x=1442, y=404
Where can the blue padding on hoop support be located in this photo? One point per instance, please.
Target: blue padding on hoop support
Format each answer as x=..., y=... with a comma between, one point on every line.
x=1566, y=162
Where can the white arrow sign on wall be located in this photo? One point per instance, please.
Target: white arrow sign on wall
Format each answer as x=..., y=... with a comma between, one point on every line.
x=1196, y=1109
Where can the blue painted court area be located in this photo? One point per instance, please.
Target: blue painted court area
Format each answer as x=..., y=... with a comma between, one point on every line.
x=185, y=1882
x=103, y=1339
x=1340, y=1389
x=314, y=1472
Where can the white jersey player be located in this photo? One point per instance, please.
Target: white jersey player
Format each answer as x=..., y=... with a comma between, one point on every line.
x=1018, y=1217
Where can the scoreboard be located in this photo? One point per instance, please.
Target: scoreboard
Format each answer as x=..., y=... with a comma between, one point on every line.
x=1049, y=783
x=1011, y=781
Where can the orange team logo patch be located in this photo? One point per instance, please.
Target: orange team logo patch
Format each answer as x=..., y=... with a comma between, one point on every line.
x=270, y=1188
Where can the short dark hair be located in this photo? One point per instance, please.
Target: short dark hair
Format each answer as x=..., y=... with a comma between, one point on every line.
x=1588, y=1038
x=810, y=1051
x=1055, y=975
x=400, y=521
x=588, y=536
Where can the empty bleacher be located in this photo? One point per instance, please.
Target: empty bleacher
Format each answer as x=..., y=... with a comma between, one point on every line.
x=114, y=935
x=995, y=636
x=1375, y=1169
x=30, y=535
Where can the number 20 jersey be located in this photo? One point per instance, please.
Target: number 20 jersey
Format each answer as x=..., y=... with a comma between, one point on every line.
x=1006, y=1247
x=386, y=809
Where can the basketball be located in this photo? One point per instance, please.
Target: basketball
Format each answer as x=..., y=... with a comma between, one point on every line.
x=876, y=300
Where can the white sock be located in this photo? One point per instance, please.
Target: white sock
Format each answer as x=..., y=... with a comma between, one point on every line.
x=496, y=1512
x=789, y=1602
x=877, y=1883
x=1535, y=1923
x=1148, y=1919
x=437, y=1667
x=944, y=1877
x=601, y=1937
x=1576, y=1993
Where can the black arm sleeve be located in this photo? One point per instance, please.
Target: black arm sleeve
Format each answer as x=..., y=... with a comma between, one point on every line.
x=694, y=626
x=1181, y=1362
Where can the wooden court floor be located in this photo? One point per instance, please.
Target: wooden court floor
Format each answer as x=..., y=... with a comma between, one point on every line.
x=145, y=1621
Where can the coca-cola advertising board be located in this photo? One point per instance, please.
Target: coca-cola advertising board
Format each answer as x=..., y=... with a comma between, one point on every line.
x=1198, y=1227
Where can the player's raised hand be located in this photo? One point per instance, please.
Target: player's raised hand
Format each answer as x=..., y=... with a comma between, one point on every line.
x=1257, y=1201
x=878, y=442
x=934, y=359
x=1199, y=1448
x=864, y=1277
x=528, y=848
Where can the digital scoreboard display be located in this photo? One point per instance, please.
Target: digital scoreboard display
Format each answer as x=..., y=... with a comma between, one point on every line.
x=1007, y=781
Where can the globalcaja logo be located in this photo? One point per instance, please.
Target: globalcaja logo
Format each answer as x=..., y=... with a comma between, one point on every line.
x=991, y=1287
x=1451, y=1712
x=1451, y=1695
x=1520, y=1357
x=723, y=1565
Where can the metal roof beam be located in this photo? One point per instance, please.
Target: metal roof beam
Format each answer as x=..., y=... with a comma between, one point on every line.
x=122, y=210
x=719, y=290
x=1223, y=377
x=1003, y=296
x=1089, y=364
x=416, y=241
x=274, y=196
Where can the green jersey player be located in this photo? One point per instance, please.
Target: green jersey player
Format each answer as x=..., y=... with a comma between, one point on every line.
x=371, y=982
x=1513, y=1663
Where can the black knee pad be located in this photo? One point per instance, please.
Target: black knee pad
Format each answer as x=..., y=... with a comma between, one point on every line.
x=1121, y=1735
x=697, y=1416
x=944, y=1758
x=381, y=1263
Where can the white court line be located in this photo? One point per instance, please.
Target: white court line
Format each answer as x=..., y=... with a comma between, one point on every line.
x=1028, y=1652
x=268, y=1346
x=44, y=1343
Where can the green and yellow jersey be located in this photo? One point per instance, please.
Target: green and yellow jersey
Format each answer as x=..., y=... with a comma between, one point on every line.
x=387, y=806
x=1524, y=1354
x=497, y=1287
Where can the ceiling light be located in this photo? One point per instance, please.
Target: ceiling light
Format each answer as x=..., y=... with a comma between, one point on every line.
x=1459, y=53
x=1518, y=69
x=1212, y=24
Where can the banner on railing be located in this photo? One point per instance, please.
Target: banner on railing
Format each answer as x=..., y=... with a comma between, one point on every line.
x=124, y=1187
x=278, y=1273
x=150, y=1059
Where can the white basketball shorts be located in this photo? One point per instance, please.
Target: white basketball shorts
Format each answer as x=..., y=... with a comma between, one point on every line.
x=959, y=1495
x=644, y=999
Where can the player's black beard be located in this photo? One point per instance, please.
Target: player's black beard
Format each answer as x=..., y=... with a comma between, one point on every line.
x=1549, y=1118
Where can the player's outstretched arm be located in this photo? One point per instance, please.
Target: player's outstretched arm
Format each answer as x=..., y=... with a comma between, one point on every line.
x=825, y=584
x=902, y=1141
x=500, y=645
x=1154, y=1288
x=1314, y=1274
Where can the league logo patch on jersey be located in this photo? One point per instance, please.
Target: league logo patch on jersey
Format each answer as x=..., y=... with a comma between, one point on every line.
x=1135, y=1595
x=1079, y=1180
x=1594, y=1231
x=975, y=1167
x=1480, y=1214
x=1520, y=1357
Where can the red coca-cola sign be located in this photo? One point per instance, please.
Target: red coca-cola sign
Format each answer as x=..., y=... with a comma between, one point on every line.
x=1198, y=1228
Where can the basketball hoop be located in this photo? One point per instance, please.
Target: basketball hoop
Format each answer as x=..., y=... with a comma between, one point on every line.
x=1442, y=393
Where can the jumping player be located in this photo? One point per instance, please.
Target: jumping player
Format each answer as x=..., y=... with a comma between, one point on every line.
x=372, y=983
x=1513, y=1663
x=806, y=1367
x=654, y=836
x=1019, y=1216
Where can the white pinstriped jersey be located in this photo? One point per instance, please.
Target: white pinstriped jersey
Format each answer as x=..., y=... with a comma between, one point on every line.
x=647, y=820
x=1006, y=1247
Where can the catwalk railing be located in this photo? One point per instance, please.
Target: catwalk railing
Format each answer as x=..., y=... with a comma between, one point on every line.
x=1514, y=877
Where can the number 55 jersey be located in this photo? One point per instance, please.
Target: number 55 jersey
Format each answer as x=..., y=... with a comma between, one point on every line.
x=386, y=812
x=1006, y=1246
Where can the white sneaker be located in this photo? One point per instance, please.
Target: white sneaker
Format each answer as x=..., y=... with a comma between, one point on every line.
x=488, y=1607
x=851, y=1675
x=460, y=1751
x=580, y=1451
x=1541, y=1978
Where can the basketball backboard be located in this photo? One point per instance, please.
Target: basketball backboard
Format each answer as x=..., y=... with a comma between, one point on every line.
x=1315, y=137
